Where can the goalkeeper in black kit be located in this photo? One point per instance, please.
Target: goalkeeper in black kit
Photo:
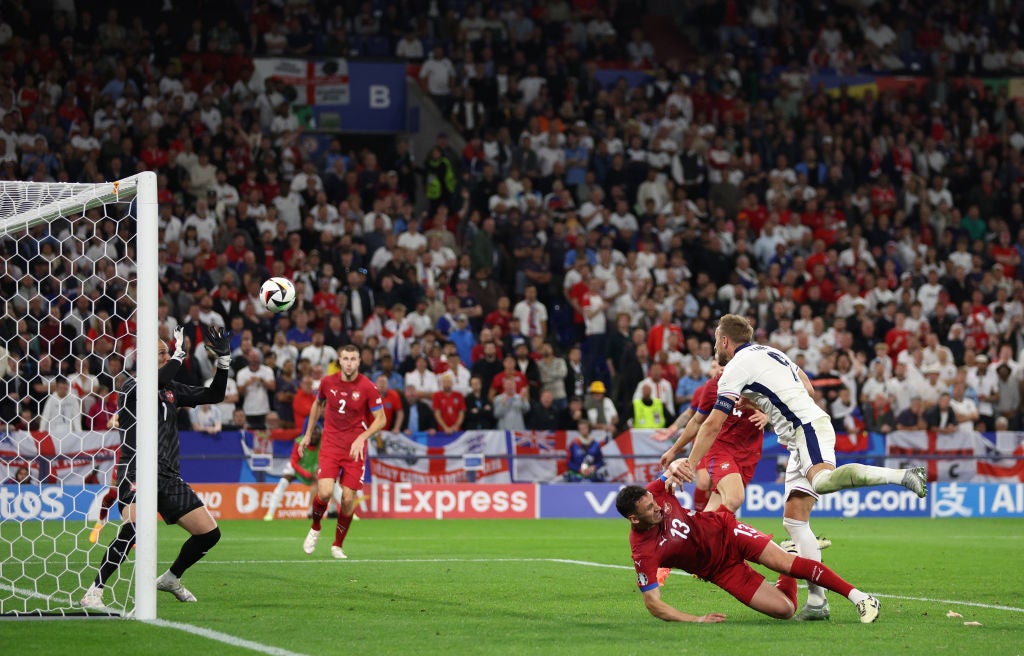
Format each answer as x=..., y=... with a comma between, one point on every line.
x=177, y=502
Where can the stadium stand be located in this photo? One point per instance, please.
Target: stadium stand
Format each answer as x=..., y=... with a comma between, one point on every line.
x=759, y=158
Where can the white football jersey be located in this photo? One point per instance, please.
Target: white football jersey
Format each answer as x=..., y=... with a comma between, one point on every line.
x=768, y=377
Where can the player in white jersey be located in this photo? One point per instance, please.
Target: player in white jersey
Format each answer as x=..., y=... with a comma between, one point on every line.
x=782, y=390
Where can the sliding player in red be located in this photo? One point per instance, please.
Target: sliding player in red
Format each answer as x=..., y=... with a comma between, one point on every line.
x=716, y=548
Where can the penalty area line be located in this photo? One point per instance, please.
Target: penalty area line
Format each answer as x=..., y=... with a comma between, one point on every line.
x=225, y=638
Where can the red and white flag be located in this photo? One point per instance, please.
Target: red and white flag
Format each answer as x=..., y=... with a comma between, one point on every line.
x=409, y=461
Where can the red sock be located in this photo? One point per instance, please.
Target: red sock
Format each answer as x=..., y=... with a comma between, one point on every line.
x=723, y=508
x=319, y=508
x=342, y=530
x=700, y=499
x=108, y=500
x=787, y=584
x=815, y=572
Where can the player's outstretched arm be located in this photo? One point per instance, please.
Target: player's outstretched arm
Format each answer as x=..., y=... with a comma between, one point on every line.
x=707, y=433
x=663, y=611
x=688, y=435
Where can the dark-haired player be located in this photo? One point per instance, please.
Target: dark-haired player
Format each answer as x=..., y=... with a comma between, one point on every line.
x=716, y=548
x=352, y=411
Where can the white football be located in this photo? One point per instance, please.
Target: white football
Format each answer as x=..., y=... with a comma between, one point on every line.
x=278, y=294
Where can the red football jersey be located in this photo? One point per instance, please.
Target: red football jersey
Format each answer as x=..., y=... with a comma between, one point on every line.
x=449, y=405
x=697, y=542
x=739, y=435
x=348, y=408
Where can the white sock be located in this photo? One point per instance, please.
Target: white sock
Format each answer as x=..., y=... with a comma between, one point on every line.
x=856, y=596
x=854, y=475
x=275, y=501
x=806, y=547
x=337, y=496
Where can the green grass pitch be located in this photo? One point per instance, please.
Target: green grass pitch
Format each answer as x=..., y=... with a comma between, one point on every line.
x=551, y=587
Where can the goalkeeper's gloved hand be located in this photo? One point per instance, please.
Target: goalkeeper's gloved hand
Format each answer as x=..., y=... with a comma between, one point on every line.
x=218, y=342
x=179, y=344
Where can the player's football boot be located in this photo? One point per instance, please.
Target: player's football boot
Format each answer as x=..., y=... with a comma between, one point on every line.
x=663, y=573
x=309, y=544
x=790, y=546
x=269, y=517
x=868, y=610
x=93, y=598
x=94, y=534
x=811, y=613
x=916, y=481
x=336, y=552
x=170, y=583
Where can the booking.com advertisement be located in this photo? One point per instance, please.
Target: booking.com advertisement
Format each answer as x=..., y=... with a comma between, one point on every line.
x=521, y=501
x=767, y=500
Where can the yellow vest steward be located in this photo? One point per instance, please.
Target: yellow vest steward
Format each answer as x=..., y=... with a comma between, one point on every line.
x=648, y=416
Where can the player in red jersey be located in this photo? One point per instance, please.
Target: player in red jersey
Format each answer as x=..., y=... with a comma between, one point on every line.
x=733, y=457
x=674, y=431
x=715, y=547
x=353, y=411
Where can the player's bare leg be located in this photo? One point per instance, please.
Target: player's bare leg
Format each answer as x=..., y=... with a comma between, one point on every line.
x=730, y=492
x=790, y=567
x=771, y=600
x=324, y=490
x=204, y=534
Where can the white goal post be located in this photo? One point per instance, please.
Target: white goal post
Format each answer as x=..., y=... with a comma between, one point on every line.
x=47, y=562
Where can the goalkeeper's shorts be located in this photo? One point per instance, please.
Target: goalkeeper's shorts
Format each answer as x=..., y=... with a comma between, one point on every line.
x=174, y=497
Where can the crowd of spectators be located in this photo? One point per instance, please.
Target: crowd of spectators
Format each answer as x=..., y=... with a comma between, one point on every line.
x=570, y=262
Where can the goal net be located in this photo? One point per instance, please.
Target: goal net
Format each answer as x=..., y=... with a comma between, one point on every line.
x=79, y=288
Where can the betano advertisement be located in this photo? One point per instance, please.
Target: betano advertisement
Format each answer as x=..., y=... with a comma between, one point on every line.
x=521, y=501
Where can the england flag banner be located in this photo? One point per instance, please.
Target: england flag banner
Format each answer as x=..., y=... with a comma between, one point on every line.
x=956, y=452
x=396, y=457
x=71, y=458
x=322, y=82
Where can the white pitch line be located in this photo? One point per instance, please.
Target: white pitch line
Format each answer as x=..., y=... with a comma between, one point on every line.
x=226, y=638
x=566, y=561
x=33, y=594
x=953, y=601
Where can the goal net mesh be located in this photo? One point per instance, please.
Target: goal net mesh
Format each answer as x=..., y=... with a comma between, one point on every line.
x=67, y=342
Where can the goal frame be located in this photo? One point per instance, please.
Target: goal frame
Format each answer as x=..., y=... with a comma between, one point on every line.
x=75, y=198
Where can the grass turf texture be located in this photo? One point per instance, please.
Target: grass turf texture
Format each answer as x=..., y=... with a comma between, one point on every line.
x=497, y=587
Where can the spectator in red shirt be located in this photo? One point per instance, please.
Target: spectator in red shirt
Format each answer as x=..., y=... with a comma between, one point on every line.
x=501, y=316
x=509, y=370
x=449, y=406
x=303, y=400
x=392, y=404
x=237, y=249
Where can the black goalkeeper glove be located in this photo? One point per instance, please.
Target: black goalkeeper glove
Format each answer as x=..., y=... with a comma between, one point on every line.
x=218, y=342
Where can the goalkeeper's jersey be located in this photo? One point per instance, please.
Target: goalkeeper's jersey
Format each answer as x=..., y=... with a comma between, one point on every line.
x=172, y=395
